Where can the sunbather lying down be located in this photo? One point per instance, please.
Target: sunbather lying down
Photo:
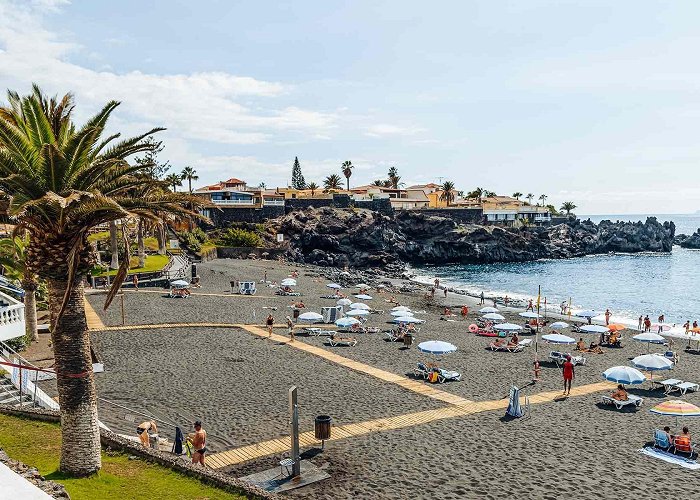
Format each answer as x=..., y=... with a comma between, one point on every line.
x=343, y=339
x=592, y=347
x=620, y=393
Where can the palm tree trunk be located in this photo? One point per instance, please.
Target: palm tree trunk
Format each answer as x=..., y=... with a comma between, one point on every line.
x=141, y=244
x=348, y=180
x=30, y=321
x=160, y=236
x=113, y=246
x=80, y=433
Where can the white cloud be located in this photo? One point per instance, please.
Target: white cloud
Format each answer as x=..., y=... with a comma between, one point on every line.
x=386, y=129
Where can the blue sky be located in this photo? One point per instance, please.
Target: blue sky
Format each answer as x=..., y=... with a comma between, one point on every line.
x=593, y=102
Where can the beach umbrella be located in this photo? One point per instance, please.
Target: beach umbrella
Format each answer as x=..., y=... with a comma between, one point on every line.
x=556, y=338
x=347, y=322
x=676, y=408
x=529, y=314
x=357, y=312
x=407, y=319
x=616, y=327
x=594, y=329
x=624, y=375
x=436, y=347
x=398, y=314
x=179, y=283
x=334, y=286
x=649, y=338
x=310, y=317
x=344, y=302
x=652, y=363
x=288, y=282
x=586, y=314
x=363, y=296
x=362, y=285
x=359, y=305
x=559, y=325
x=494, y=316
x=507, y=327
x=488, y=309
x=400, y=308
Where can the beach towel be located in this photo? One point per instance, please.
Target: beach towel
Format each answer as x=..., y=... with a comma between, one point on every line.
x=514, y=409
x=670, y=457
x=177, y=443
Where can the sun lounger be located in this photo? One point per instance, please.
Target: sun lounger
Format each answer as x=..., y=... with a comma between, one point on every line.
x=668, y=384
x=525, y=342
x=684, y=387
x=506, y=347
x=319, y=332
x=421, y=371
x=560, y=357
x=631, y=400
x=345, y=341
x=448, y=375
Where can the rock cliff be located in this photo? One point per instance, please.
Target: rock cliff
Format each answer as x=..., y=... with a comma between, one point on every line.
x=362, y=238
x=685, y=241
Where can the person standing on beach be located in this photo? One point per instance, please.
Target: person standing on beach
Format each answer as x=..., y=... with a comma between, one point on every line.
x=647, y=323
x=270, y=322
x=437, y=283
x=568, y=373
x=607, y=316
x=640, y=323
x=662, y=318
x=506, y=300
x=465, y=311
x=199, y=443
x=494, y=302
x=530, y=306
x=290, y=328
x=445, y=292
x=482, y=299
x=686, y=326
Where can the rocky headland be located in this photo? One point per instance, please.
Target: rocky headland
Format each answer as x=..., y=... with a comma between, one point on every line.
x=685, y=241
x=362, y=238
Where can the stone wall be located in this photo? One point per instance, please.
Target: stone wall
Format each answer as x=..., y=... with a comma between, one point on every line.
x=459, y=215
x=224, y=216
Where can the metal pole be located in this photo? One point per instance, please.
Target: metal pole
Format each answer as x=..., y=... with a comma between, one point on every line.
x=19, y=362
x=294, y=412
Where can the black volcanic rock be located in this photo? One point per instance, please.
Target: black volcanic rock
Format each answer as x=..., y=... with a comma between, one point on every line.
x=692, y=241
x=362, y=238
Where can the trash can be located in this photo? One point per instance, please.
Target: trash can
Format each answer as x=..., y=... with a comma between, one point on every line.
x=408, y=339
x=322, y=427
x=194, y=270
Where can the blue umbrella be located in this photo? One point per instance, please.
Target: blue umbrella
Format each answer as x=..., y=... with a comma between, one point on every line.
x=624, y=375
x=436, y=347
x=346, y=322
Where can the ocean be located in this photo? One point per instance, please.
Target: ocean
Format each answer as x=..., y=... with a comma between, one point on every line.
x=628, y=284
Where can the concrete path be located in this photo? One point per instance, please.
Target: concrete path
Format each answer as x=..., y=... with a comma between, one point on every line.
x=15, y=487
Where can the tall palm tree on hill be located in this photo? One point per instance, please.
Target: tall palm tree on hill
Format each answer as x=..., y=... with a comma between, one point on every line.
x=174, y=181
x=517, y=195
x=394, y=178
x=568, y=206
x=543, y=197
x=333, y=181
x=476, y=194
x=347, y=167
x=378, y=182
x=62, y=180
x=448, y=192
x=13, y=257
x=189, y=174
x=529, y=198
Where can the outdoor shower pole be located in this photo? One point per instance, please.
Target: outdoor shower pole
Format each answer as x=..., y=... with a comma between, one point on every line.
x=294, y=411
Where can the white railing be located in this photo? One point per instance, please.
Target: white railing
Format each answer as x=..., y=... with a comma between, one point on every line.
x=11, y=318
x=234, y=202
x=274, y=203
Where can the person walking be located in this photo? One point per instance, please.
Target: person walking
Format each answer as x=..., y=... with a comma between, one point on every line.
x=647, y=323
x=290, y=328
x=135, y=281
x=640, y=323
x=481, y=297
x=530, y=306
x=445, y=292
x=270, y=322
x=607, y=316
x=568, y=374
x=199, y=443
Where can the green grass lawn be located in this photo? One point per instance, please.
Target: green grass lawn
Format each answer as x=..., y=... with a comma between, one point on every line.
x=153, y=263
x=100, y=236
x=38, y=444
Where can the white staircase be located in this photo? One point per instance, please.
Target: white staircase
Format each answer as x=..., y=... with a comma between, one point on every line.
x=9, y=394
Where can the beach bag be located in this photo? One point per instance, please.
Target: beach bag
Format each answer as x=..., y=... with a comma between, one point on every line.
x=433, y=377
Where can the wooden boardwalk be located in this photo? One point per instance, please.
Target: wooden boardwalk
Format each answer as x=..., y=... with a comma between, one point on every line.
x=278, y=446
x=93, y=320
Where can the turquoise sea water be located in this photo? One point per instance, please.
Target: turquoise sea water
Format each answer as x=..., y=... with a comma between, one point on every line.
x=629, y=285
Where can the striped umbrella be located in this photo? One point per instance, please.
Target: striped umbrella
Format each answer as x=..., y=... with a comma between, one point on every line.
x=676, y=408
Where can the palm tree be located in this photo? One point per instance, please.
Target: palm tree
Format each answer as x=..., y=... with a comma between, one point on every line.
x=189, y=174
x=394, y=178
x=517, y=195
x=13, y=257
x=488, y=194
x=378, y=182
x=476, y=194
x=332, y=182
x=347, y=167
x=448, y=192
x=312, y=186
x=61, y=181
x=174, y=181
x=529, y=198
x=543, y=197
x=568, y=206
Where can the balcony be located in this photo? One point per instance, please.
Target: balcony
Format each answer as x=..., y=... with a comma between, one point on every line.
x=274, y=203
x=235, y=203
x=11, y=317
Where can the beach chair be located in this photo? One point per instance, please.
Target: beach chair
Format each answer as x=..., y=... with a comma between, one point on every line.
x=514, y=348
x=559, y=358
x=448, y=375
x=672, y=356
x=421, y=371
x=668, y=384
x=682, y=444
x=661, y=440
x=632, y=400
x=684, y=387
x=394, y=336
x=342, y=341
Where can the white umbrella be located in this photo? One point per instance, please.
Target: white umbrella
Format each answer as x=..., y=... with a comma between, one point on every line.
x=528, y=314
x=359, y=305
x=363, y=296
x=288, y=282
x=334, y=286
x=362, y=285
x=494, y=316
x=357, y=312
x=559, y=325
x=179, y=283
x=344, y=302
x=594, y=329
x=400, y=308
x=652, y=362
x=556, y=338
x=398, y=314
x=649, y=338
x=436, y=347
x=347, y=322
x=586, y=314
x=508, y=327
x=310, y=317
x=624, y=375
x=488, y=309
x=407, y=319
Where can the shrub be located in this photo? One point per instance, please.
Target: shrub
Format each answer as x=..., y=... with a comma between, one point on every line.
x=235, y=237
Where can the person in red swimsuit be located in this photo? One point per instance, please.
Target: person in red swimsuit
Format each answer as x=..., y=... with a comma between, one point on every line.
x=568, y=372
